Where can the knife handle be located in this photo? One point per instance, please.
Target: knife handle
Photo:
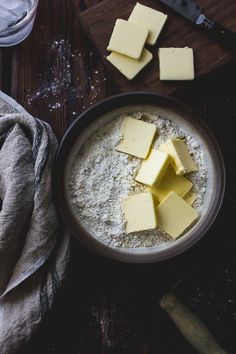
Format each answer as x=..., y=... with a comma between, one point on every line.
x=226, y=36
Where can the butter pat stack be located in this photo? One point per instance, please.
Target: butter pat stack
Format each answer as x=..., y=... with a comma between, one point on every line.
x=167, y=202
x=129, y=37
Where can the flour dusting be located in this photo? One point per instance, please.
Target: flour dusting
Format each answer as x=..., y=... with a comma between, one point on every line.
x=59, y=86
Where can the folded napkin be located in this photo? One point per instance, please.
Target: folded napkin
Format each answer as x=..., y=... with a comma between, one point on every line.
x=33, y=251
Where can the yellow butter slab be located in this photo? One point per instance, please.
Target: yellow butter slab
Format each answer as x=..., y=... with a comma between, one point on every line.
x=149, y=18
x=176, y=63
x=137, y=137
x=182, y=161
x=128, y=39
x=171, y=182
x=127, y=66
x=153, y=168
x=139, y=211
x=175, y=215
x=190, y=197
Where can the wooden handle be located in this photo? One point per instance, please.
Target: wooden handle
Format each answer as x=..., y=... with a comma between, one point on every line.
x=192, y=328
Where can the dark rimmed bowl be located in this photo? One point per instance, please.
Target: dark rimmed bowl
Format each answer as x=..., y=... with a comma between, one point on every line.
x=99, y=114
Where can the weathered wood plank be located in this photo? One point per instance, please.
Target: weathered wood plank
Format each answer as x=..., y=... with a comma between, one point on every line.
x=5, y=69
x=90, y=3
x=55, y=73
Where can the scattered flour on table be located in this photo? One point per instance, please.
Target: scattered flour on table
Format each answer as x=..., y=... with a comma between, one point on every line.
x=60, y=86
x=101, y=178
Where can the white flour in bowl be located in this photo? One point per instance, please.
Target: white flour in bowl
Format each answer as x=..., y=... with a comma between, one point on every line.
x=101, y=178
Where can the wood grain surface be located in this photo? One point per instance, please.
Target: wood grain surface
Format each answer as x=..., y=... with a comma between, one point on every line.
x=55, y=73
x=106, y=307
x=210, y=55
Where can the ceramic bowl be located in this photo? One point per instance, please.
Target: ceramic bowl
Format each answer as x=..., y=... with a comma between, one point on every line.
x=93, y=118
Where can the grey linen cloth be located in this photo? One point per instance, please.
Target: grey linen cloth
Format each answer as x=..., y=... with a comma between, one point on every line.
x=33, y=252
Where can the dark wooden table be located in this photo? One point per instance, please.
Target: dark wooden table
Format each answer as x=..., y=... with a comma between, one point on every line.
x=107, y=307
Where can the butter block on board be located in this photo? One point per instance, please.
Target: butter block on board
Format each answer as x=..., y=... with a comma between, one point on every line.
x=127, y=66
x=190, y=197
x=153, y=168
x=128, y=39
x=171, y=182
x=139, y=211
x=136, y=137
x=176, y=63
x=149, y=18
x=181, y=161
x=175, y=215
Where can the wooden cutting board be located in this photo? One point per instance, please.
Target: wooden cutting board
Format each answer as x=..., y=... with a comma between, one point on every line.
x=210, y=55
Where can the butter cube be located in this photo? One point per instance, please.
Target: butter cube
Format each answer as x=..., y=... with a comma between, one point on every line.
x=139, y=212
x=175, y=215
x=171, y=182
x=137, y=137
x=128, y=39
x=153, y=168
x=149, y=18
x=182, y=161
x=190, y=197
x=127, y=66
x=176, y=64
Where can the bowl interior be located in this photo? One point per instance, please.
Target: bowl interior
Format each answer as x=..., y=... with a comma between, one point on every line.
x=214, y=191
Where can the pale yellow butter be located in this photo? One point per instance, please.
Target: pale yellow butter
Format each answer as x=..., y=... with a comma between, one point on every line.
x=127, y=66
x=182, y=161
x=149, y=18
x=153, y=168
x=128, y=39
x=175, y=215
x=136, y=137
x=171, y=182
x=139, y=211
x=176, y=63
x=190, y=197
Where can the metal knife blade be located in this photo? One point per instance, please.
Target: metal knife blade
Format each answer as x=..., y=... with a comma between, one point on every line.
x=187, y=8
